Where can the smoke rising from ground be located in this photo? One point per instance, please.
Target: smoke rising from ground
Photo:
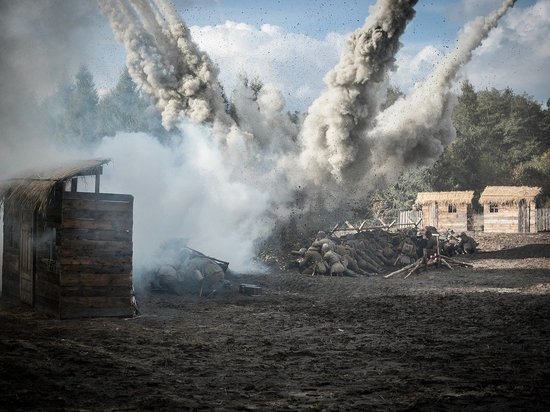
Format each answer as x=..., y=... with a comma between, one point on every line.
x=355, y=89
x=165, y=62
x=416, y=128
x=227, y=181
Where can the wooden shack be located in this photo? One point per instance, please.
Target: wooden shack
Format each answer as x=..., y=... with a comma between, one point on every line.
x=509, y=209
x=446, y=210
x=66, y=251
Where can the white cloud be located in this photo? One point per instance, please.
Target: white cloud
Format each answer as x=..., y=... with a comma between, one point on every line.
x=516, y=54
x=294, y=62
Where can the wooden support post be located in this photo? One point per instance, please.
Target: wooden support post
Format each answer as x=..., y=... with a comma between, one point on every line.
x=97, y=181
x=74, y=184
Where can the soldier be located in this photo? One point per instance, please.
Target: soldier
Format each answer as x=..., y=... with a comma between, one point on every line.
x=467, y=244
x=201, y=270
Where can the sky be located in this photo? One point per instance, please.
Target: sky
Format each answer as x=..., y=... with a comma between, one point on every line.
x=294, y=43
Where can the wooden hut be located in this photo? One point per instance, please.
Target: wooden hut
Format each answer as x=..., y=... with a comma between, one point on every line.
x=446, y=210
x=67, y=252
x=509, y=209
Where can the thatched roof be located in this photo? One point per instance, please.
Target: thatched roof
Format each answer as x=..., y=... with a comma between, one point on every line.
x=445, y=198
x=508, y=194
x=32, y=189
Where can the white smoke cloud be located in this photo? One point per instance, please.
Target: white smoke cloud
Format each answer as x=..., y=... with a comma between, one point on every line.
x=293, y=62
x=416, y=128
x=165, y=62
x=518, y=53
x=355, y=90
x=185, y=190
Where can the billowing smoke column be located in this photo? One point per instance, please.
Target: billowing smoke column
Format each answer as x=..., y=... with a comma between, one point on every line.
x=165, y=63
x=345, y=142
x=339, y=117
x=416, y=129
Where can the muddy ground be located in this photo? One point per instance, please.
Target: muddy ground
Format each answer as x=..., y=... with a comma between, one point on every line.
x=464, y=339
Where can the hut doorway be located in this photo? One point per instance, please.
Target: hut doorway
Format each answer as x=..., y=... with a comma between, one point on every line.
x=523, y=217
x=26, y=258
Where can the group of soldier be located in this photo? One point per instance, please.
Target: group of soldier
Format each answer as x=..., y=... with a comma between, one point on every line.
x=353, y=256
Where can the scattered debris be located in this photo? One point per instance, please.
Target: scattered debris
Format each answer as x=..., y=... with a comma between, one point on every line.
x=189, y=270
x=250, y=290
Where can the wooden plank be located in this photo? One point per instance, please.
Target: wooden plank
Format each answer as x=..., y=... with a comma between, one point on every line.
x=95, y=260
x=112, y=197
x=108, y=269
x=89, y=234
x=101, y=205
x=96, y=279
x=66, y=247
x=97, y=291
x=100, y=215
x=97, y=225
x=97, y=254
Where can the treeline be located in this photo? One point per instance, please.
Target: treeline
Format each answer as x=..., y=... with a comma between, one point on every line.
x=75, y=114
x=503, y=139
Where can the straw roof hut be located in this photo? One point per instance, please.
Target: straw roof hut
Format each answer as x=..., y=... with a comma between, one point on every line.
x=508, y=195
x=445, y=198
x=33, y=188
x=509, y=209
x=67, y=252
x=446, y=210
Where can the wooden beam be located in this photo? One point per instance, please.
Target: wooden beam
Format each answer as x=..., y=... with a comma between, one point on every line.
x=97, y=181
x=74, y=184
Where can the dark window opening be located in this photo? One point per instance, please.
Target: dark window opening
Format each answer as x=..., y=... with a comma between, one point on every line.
x=452, y=208
x=493, y=208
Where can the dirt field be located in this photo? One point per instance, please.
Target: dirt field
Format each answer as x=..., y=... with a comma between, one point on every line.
x=464, y=339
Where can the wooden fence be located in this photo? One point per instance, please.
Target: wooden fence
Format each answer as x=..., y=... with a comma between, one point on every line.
x=410, y=218
x=543, y=220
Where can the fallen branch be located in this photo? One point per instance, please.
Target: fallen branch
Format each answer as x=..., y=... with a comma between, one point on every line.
x=403, y=269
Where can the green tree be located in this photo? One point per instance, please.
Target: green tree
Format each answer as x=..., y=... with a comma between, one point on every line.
x=123, y=109
x=402, y=195
x=496, y=132
x=82, y=109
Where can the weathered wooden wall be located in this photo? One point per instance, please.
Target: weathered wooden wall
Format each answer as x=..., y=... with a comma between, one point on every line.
x=543, y=220
x=430, y=215
x=10, y=263
x=457, y=221
x=503, y=221
x=46, y=271
x=94, y=255
x=439, y=217
x=408, y=218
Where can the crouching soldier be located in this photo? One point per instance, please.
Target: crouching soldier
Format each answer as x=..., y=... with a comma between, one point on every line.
x=467, y=244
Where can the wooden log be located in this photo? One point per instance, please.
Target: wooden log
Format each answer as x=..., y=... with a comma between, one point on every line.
x=403, y=269
x=415, y=267
x=444, y=263
x=458, y=262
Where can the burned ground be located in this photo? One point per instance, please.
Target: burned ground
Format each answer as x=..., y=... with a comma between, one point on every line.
x=469, y=338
